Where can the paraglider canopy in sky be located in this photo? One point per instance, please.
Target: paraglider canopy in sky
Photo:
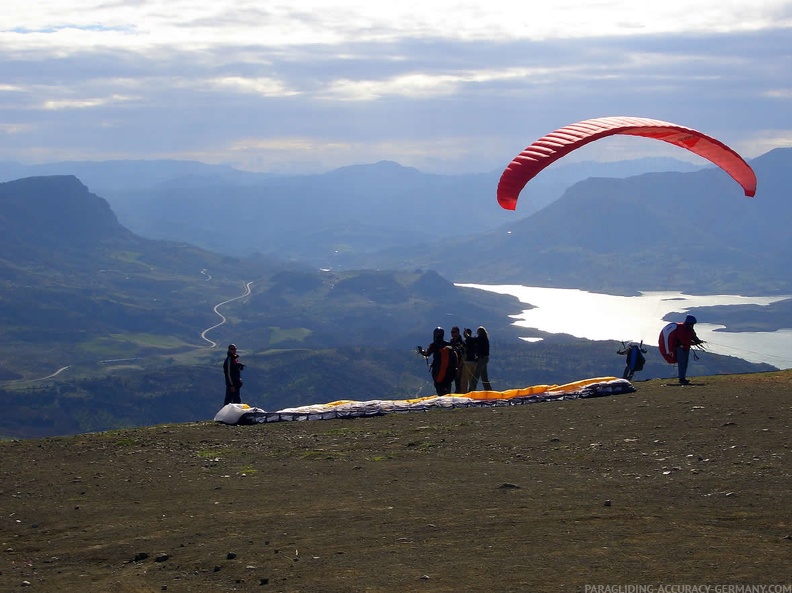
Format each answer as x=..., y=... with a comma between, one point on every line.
x=561, y=142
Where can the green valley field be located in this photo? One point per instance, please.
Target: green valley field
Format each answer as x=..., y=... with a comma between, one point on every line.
x=667, y=485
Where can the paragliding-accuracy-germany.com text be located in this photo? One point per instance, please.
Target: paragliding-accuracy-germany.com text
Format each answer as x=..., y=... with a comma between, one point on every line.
x=676, y=588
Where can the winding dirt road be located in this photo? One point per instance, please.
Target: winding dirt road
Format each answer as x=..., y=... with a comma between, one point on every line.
x=247, y=286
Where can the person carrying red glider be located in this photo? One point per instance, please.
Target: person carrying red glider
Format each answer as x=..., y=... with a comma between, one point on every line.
x=685, y=337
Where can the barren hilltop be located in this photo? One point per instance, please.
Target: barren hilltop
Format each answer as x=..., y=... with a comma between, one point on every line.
x=667, y=485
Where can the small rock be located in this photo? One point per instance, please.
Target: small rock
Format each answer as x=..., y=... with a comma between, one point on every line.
x=139, y=556
x=425, y=577
x=26, y=583
x=607, y=503
x=263, y=581
x=231, y=556
x=161, y=558
x=508, y=485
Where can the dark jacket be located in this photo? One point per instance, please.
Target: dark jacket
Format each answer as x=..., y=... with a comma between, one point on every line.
x=232, y=369
x=482, y=346
x=470, y=348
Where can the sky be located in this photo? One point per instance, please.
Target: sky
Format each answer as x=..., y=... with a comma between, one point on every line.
x=443, y=86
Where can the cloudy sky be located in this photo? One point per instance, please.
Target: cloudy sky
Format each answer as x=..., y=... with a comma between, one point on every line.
x=442, y=85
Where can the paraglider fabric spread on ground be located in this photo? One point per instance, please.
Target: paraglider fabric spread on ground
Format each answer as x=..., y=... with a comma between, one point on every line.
x=597, y=387
x=548, y=149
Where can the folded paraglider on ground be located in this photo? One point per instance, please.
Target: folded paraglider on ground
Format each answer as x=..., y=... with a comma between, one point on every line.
x=587, y=388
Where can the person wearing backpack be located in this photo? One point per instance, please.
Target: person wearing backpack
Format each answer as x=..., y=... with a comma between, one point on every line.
x=444, y=361
x=635, y=358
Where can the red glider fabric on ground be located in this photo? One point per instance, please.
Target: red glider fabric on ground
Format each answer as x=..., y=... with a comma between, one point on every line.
x=561, y=142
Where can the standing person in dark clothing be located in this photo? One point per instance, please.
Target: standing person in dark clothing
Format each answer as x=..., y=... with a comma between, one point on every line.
x=482, y=360
x=232, y=369
x=685, y=337
x=458, y=344
x=469, y=364
x=443, y=366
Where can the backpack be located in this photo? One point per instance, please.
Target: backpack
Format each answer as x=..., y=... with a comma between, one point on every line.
x=668, y=342
x=444, y=365
x=635, y=358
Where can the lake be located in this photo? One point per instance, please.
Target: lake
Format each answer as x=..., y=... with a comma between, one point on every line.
x=595, y=316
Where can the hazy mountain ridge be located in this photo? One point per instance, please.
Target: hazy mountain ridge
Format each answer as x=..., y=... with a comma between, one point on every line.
x=333, y=217
x=138, y=174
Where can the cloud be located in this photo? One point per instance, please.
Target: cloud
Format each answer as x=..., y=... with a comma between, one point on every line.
x=311, y=21
x=84, y=103
x=444, y=85
x=762, y=141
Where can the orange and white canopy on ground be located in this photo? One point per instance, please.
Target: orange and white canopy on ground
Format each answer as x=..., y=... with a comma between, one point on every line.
x=595, y=387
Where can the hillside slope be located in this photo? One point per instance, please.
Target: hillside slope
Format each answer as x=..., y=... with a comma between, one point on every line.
x=667, y=485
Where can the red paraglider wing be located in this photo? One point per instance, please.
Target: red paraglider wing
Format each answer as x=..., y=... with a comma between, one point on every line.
x=555, y=145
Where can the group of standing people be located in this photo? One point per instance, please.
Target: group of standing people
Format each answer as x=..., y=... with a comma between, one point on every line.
x=458, y=365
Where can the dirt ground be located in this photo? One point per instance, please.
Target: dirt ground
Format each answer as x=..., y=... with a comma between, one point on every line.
x=669, y=485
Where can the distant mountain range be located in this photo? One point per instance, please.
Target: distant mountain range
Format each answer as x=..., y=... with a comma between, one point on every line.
x=648, y=224
x=327, y=220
